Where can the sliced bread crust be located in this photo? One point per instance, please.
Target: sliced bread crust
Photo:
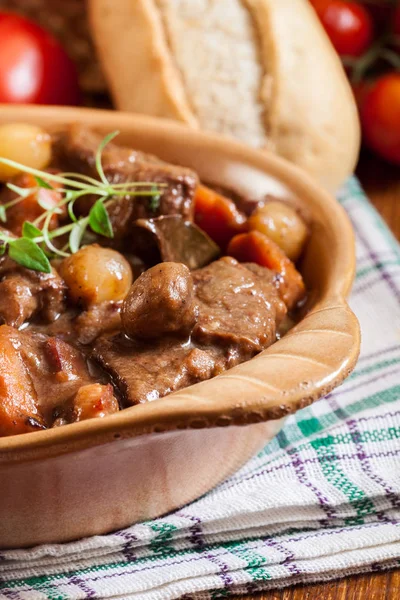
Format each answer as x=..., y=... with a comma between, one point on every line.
x=312, y=116
x=136, y=59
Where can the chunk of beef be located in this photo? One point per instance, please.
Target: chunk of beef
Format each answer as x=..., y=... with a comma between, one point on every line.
x=56, y=368
x=161, y=301
x=89, y=324
x=37, y=374
x=17, y=302
x=148, y=371
x=82, y=328
x=289, y=283
x=75, y=150
x=171, y=238
x=25, y=293
x=236, y=306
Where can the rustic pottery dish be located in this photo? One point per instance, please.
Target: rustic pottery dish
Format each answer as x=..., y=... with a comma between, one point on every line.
x=104, y=474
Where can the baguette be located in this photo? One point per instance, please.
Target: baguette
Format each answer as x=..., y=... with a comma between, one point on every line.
x=263, y=71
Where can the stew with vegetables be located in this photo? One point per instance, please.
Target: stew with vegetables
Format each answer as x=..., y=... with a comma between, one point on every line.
x=124, y=278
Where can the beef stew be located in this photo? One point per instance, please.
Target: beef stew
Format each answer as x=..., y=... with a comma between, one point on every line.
x=129, y=280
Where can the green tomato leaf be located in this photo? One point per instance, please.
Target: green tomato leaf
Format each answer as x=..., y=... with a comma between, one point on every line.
x=42, y=183
x=76, y=235
x=99, y=220
x=3, y=247
x=28, y=254
x=30, y=231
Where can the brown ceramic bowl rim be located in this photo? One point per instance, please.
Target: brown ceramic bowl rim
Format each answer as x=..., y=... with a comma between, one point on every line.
x=197, y=406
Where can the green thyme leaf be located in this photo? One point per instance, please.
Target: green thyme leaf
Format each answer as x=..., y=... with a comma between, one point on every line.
x=102, y=145
x=42, y=183
x=30, y=231
x=27, y=250
x=154, y=200
x=22, y=192
x=28, y=254
x=42, y=174
x=70, y=198
x=99, y=220
x=76, y=235
x=71, y=213
x=47, y=236
x=45, y=201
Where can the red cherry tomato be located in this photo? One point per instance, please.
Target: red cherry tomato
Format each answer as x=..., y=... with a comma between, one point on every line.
x=34, y=68
x=348, y=24
x=360, y=91
x=380, y=117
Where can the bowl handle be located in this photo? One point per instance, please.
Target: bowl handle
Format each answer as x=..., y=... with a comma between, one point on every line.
x=308, y=362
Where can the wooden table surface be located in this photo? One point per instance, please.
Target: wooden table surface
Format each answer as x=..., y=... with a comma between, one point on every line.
x=382, y=183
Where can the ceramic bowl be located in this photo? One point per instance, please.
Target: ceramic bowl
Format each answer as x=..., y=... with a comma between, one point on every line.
x=105, y=474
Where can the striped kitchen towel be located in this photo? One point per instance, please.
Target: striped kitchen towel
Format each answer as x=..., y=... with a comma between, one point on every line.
x=322, y=500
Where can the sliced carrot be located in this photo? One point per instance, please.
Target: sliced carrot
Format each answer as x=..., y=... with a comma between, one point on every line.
x=217, y=216
x=258, y=248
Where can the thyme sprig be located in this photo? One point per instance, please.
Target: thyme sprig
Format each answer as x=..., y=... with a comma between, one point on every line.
x=35, y=246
